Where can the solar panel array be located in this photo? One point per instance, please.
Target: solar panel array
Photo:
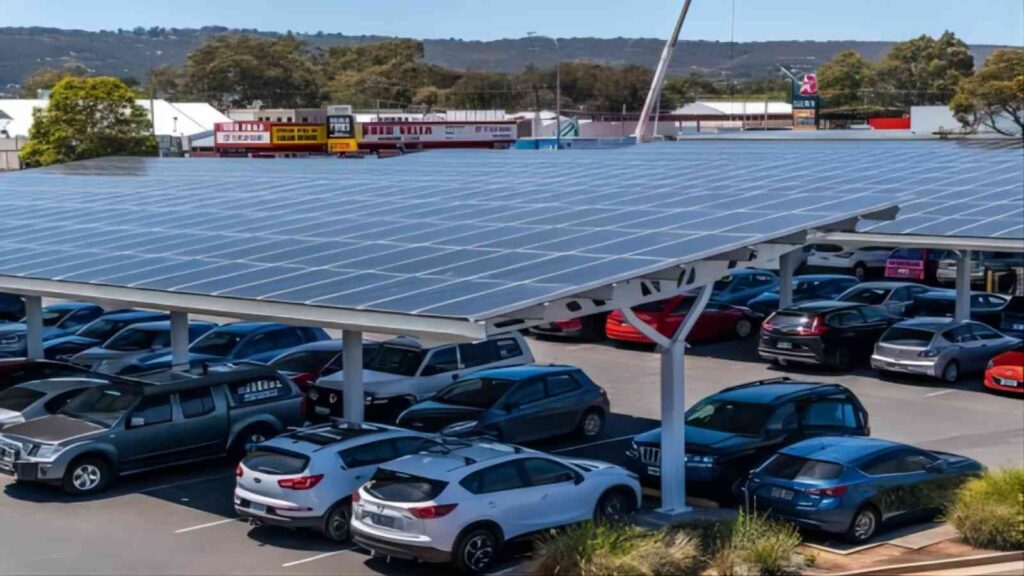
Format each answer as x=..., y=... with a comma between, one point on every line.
x=471, y=234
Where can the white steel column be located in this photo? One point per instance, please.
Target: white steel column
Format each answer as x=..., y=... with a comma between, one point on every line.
x=34, y=323
x=963, y=286
x=179, y=340
x=673, y=403
x=352, y=388
x=788, y=263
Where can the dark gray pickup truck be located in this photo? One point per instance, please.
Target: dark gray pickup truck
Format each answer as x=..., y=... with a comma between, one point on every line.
x=132, y=426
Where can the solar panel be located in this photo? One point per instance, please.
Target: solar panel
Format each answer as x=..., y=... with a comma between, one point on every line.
x=473, y=234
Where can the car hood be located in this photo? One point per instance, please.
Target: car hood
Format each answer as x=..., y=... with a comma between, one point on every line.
x=431, y=416
x=335, y=381
x=96, y=353
x=71, y=339
x=703, y=440
x=12, y=328
x=52, y=429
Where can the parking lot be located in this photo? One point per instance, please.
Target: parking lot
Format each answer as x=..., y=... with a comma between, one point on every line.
x=181, y=521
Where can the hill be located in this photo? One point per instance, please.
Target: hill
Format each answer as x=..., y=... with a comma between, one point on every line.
x=131, y=52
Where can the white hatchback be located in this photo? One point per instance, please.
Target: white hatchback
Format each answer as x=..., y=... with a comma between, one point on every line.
x=461, y=501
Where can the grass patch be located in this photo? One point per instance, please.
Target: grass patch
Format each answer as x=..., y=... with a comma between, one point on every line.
x=989, y=510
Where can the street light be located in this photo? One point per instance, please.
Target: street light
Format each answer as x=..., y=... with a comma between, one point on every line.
x=558, y=88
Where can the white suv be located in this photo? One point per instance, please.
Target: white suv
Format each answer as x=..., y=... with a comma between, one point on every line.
x=404, y=371
x=860, y=261
x=463, y=500
x=305, y=479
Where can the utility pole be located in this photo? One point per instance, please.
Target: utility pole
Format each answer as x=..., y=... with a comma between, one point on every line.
x=659, y=75
x=558, y=88
x=152, y=92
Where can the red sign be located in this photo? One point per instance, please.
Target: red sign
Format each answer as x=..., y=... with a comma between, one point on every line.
x=809, y=85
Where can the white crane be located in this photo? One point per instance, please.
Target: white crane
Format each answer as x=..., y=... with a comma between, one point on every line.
x=659, y=77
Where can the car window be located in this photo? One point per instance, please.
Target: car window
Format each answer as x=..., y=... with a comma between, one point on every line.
x=412, y=445
x=796, y=468
x=17, y=399
x=78, y=319
x=153, y=410
x=559, y=384
x=898, y=462
x=396, y=360
x=873, y=314
x=475, y=354
x=526, y=393
x=288, y=338
x=907, y=254
x=196, y=403
x=900, y=295
x=783, y=420
x=541, y=472
x=959, y=335
x=368, y=454
x=260, y=343
x=987, y=301
x=844, y=318
x=304, y=361
x=983, y=332
x=60, y=400
x=258, y=390
x=497, y=478
x=442, y=360
x=865, y=295
x=507, y=348
x=830, y=414
x=216, y=343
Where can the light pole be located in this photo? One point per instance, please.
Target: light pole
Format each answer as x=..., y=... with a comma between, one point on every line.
x=558, y=88
x=152, y=91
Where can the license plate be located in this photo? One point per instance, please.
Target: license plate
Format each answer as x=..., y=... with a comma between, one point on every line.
x=654, y=471
x=1007, y=382
x=259, y=508
x=1018, y=327
x=382, y=520
x=781, y=494
x=8, y=455
x=320, y=410
x=784, y=345
x=903, y=271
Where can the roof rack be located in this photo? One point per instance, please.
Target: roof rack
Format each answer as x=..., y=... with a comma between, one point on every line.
x=778, y=380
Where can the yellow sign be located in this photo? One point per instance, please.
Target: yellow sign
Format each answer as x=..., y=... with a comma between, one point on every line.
x=298, y=134
x=342, y=145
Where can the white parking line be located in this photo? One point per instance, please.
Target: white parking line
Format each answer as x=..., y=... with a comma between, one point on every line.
x=184, y=482
x=939, y=393
x=592, y=444
x=314, y=558
x=207, y=525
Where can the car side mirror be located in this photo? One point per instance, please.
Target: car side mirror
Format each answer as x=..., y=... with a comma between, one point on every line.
x=578, y=479
x=136, y=422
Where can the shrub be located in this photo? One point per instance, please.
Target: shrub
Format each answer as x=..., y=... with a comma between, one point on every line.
x=756, y=545
x=989, y=510
x=620, y=550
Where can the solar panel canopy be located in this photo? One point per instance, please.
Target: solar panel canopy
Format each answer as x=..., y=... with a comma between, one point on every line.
x=472, y=234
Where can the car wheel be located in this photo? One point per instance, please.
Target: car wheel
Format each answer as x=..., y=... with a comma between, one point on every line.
x=476, y=550
x=863, y=526
x=744, y=327
x=87, y=475
x=615, y=506
x=591, y=424
x=336, y=523
x=860, y=271
x=951, y=373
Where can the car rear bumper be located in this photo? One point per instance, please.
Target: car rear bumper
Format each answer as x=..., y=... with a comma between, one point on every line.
x=922, y=367
x=392, y=549
x=270, y=518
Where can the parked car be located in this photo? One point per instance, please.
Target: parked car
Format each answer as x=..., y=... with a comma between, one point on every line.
x=461, y=503
x=256, y=341
x=980, y=263
x=41, y=398
x=861, y=262
x=1005, y=372
x=892, y=297
x=741, y=285
x=127, y=427
x=854, y=486
x=14, y=371
x=1013, y=318
x=920, y=264
x=825, y=333
x=309, y=362
x=133, y=342
x=805, y=289
x=718, y=321
x=63, y=348
x=58, y=320
x=987, y=308
x=730, y=433
x=404, y=372
x=12, y=307
x=590, y=328
x=305, y=479
x=939, y=347
x=515, y=404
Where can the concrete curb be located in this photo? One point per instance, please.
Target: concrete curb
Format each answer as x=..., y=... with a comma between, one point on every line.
x=967, y=562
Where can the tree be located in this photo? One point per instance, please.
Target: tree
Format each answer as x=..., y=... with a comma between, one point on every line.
x=844, y=79
x=994, y=95
x=47, y=78
x=88, y=118
x=925, y=70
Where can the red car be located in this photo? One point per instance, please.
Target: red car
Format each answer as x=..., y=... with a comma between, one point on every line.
x=717, y=322
x=1006, y=372
x=915, y=264
x=586, y=328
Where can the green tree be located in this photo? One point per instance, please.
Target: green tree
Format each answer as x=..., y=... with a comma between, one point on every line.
x=392, y=73
x=994, y=97
x=88, y=118
x=47, y=78
x=924, y=70
x=844, y=79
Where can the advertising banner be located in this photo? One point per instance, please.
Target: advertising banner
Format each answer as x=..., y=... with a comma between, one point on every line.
x=805, y=102
x=302, y=135
x=438, y=132
x=242, y=135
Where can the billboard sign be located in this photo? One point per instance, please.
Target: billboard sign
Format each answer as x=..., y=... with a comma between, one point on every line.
x=805, y=102
x=438, y=132
x=298, y=135
x=242, y=135
x=341, y=126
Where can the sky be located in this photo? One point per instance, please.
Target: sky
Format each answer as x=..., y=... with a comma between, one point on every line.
x=976, y=21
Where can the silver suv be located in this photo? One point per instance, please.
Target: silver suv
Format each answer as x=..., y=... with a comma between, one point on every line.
x=131, y=426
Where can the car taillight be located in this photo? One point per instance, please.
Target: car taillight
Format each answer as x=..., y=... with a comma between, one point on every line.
x=835, y=491
x=300, y=483
x=767, y=324
x=817, y=328
x=238, y=470
x=429, y=512
x=356, y=497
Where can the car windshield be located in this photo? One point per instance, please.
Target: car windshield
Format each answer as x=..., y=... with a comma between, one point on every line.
x=17, y=399
x=132, y=340
x=728, y=416
x=907, y=336
x=102, y=405
x=475, y=393
x=400, y=487
x=396, y=360
x=219, y=343
x=722, y=284
x=51, y=317
x=789, y=467
x=907, y=254
x=311, y=361
x=865, y=295
x=102, y=329
x=275, y=462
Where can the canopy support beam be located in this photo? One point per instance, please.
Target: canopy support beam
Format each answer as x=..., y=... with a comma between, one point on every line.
x=352, y=387
x=179, y=341
x=963, y=286
x=788, y=263
x=34, y=324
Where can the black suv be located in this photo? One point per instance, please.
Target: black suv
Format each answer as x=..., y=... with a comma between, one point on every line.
x=825, y=333
x=730, y=433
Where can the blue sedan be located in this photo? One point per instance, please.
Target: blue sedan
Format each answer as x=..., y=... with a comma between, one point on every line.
x=805, y=289
x=852, y=486
x=59, y=320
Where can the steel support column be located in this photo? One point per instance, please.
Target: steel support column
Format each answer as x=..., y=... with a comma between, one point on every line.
x=352, y=387
x=179, y=341
x=788, y=263
x=34, y=323
x=963, y=286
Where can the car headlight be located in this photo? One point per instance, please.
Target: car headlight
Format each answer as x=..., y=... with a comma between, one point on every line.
x=13, y=340
x=700, y=460
x=460, y=427
x=930, y=353
x=46, y=451
x=991, y=364
x=313, y=394
x=634, y=450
